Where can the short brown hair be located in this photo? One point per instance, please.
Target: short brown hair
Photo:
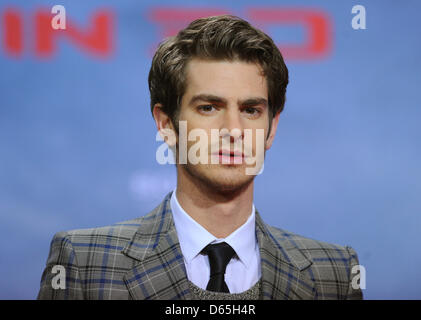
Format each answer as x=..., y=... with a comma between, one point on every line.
x=223, y=37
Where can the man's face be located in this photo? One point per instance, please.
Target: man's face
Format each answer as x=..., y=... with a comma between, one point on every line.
x=232, y=97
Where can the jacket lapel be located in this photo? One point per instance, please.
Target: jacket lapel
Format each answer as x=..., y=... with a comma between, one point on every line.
x=282, y=264
x=158, y=271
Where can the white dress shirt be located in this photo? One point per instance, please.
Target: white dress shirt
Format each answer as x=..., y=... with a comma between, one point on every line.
x=242, y=272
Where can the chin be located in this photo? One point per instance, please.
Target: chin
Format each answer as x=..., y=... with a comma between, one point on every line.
x=221, y=178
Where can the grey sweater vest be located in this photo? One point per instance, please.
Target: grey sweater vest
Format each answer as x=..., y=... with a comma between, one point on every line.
x=254, y=293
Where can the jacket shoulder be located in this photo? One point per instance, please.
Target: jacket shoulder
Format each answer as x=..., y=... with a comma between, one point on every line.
x=122, y=231
x=332, y=266
x=93, y=246
x=125, y=229
x=303, y=243
x=93, y=260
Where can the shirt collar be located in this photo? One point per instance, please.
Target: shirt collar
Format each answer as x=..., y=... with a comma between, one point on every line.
x=193, y=237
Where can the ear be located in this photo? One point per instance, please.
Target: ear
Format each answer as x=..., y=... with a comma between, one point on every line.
x=272, y=133
x=164, y=125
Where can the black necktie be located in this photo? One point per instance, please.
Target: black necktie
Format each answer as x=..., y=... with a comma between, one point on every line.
x=219, y=255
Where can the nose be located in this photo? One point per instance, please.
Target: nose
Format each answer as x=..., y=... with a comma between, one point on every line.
x=232, y=125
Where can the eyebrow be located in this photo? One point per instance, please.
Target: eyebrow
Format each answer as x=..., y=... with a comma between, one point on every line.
x=249, y=102
x=208, y=98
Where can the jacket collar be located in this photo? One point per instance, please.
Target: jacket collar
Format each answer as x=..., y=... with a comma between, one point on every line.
x=158, y=270
x=282, y=265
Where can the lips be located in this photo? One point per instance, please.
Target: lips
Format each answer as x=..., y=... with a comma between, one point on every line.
x=228, y=153
x=227, y=157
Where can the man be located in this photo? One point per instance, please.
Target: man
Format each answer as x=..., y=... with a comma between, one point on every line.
x=206, y=240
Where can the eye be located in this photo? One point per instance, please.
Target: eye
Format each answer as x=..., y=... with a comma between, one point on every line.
x=208, y=108
x=252, y=111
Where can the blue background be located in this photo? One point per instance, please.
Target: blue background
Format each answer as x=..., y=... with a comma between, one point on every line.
x=78, y=141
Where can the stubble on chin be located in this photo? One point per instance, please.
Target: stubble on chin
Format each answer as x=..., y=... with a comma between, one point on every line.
x=223, y=180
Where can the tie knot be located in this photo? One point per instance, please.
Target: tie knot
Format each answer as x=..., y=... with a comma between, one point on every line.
x=219, y=255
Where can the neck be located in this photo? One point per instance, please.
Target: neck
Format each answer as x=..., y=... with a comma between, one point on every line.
x=219, y=212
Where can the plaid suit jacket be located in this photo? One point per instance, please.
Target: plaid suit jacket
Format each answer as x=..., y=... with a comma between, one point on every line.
x=142, y=259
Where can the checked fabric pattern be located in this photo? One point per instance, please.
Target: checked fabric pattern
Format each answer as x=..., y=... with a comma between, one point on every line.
x=142, y=259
